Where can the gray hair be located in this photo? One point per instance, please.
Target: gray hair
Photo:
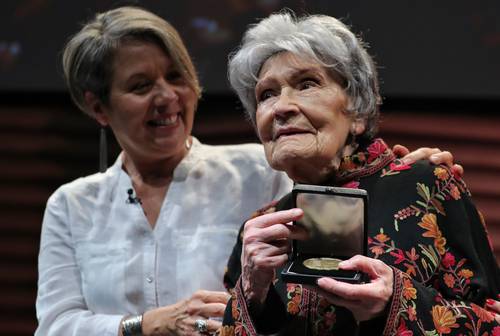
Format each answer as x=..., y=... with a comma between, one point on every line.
x=89, y=54
x=326, y=41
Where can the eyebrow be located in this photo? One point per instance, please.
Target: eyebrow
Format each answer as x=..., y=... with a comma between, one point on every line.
x=292, y=74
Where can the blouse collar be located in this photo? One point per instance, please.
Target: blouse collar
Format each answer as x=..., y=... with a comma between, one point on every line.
x=365, y=161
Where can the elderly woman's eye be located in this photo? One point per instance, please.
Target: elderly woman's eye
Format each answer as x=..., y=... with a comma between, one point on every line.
x=265, y=95
x=308, y=83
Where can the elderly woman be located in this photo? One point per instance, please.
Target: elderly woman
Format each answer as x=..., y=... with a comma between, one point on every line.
x=311, y=90
x=145, y=242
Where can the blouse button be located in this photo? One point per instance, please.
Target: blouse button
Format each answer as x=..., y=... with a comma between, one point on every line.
x=149, y=279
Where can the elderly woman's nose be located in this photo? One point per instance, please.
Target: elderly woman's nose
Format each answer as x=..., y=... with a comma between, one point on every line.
x=285, y=105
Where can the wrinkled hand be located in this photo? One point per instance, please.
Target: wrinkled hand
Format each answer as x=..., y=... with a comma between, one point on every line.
x=365, y=301
x=434, y=155
x=266, y=244
x=494, y=307
x=179, y=318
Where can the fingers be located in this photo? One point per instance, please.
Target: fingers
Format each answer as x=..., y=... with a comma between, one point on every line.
x=434, y=155
x=275, y=232
x=208, y=310
x=372, y=267
x=212, y=296
x=343, y=290
x=278, y=217
x=267, y=255
x=207, y=303
x=379, y=288
x=273, y=227
x=445, y=158
x=457, y=170
x=333, y=298
x=493, y=306
x=212, y=325
x=400, y=150
x=419, y=154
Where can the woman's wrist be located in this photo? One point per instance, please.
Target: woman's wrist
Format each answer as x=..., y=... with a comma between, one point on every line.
x=131, y=326
x=254, y=293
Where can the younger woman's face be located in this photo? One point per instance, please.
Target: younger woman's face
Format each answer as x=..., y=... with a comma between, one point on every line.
x=151, y=105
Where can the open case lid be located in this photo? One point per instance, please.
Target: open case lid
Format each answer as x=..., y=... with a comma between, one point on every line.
x=336, y=219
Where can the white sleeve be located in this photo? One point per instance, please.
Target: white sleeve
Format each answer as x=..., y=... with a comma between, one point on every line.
x=60, y=305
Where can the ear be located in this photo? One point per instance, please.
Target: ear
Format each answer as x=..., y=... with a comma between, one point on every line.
x=94, y=108
x=358, y=126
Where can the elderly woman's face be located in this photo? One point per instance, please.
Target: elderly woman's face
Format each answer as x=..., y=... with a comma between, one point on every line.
x=151, y=106
x=300, y=117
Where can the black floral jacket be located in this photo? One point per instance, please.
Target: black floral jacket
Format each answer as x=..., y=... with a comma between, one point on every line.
x=423, y=224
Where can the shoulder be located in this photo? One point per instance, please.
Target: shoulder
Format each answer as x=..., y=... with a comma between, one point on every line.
x=421, y=171
x=246, y=166
x=249, y=153
x=440, y=178
x=83, y=188
x=422, y=180
x=242, y=159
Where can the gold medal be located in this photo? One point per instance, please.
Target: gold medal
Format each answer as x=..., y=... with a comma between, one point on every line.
x=322, y=264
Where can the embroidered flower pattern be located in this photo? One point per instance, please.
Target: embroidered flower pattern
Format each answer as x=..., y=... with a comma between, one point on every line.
x=294, y=296
x=409, y=292
x=441, y=173
x=444, y=320
x=482, y=314
x=432, y=263
x=425, y=261
x=326, y=317
x=394, y=168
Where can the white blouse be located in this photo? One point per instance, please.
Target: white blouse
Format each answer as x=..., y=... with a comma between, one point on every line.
x=100, y=259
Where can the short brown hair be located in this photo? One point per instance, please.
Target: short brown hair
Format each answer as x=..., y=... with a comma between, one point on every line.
x=88, y=55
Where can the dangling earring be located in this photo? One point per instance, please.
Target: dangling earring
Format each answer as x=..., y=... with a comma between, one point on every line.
x=103, y=150
x=352, y=138
x=188, y=142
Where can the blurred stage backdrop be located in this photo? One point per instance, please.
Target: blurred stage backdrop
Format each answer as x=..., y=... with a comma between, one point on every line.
x=438, y=62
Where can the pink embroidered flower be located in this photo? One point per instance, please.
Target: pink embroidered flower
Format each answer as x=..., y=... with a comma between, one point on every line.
x=412, y=255
x=482, y=313
x=448, y=260
x=496, y=331
x=403, y=330
x=377, y=250
x=449, y=280
x=396, y=166
x=412, y=313
x=400, y=257
x=454, y=192
x=375, y=149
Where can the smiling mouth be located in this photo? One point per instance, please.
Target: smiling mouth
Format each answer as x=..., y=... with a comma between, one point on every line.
x=165, y=121
x=289, y=132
